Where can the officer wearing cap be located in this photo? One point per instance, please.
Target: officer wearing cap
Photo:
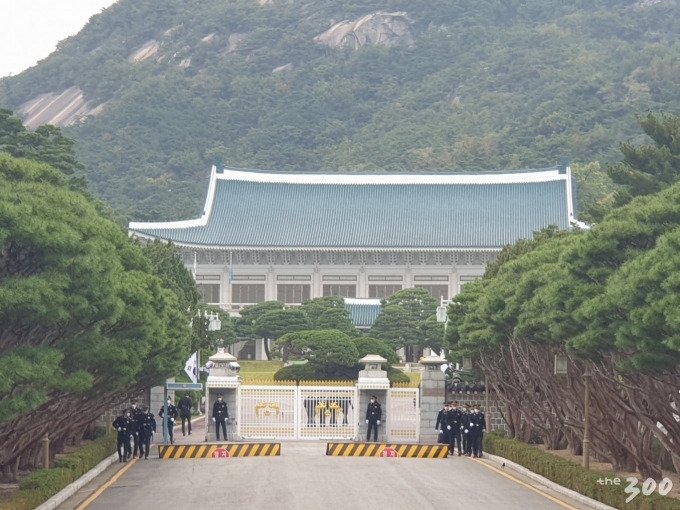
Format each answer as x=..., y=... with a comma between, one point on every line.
x=454, y=419
x=477, y=429
x=170, y=421
x=373, y=416
x=220, y=416
x=125, y=427
x=465, y=429
x=146, y=427
x=135, y=411
x=440, y=426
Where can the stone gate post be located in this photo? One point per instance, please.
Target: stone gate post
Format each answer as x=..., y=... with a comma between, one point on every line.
x=223, y=379
x=432, y=394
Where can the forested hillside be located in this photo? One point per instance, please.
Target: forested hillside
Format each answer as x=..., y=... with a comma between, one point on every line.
x=167, y=86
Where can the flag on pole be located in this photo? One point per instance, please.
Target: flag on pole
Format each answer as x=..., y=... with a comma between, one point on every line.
x=190, y=367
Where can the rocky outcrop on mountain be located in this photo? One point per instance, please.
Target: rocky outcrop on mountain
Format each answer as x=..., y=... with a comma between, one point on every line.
x=379, y=28
x=233, y=41
x=283, y=69
x=60, y=110
x=147, y=50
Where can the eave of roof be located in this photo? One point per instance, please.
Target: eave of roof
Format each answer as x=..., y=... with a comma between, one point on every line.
x=186, y=233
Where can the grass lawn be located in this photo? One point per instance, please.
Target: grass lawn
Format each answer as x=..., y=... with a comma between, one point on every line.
x=259, y=370
x=415, y=378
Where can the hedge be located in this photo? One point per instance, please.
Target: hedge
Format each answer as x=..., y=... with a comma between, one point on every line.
x=573, y=476
x=40, y=486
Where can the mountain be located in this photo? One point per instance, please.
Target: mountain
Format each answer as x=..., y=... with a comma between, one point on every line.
x=153, y=91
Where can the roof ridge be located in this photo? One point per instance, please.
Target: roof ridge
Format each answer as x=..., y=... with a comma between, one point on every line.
x=446, y=173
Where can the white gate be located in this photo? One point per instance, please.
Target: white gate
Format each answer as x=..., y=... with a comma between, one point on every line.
x=297, y=412
x=403, y=415
x=267, y=412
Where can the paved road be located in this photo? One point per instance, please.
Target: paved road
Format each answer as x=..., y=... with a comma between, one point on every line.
x=303, y=478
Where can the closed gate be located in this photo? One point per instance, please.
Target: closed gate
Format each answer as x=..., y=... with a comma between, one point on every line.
x=297, y=412
x=403, y=418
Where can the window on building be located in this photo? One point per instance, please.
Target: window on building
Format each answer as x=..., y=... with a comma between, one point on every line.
x=292, y=293
x=209, y=292
x=247, y=293
x=436, y=291
x=382, y=291
x=340, y=290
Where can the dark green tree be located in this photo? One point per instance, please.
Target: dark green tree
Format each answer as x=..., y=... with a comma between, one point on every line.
x=46, y=144
x=647, y=169
x=274, y=324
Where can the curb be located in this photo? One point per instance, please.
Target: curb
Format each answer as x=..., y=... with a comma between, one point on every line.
x=585, y=500
x=74, y=487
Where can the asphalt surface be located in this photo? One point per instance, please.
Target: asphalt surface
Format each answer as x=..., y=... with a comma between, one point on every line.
x=303, y=478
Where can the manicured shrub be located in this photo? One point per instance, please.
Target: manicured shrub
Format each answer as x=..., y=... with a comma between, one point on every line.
x=38, y=487
x=573, y=476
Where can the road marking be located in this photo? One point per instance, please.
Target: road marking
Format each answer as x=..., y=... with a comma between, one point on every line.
x=108, y=484
x=554, y=500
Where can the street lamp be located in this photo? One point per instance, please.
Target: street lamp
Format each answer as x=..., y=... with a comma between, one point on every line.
x=586, y=428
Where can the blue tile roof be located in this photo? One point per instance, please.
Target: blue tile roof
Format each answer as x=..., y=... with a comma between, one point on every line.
x=259, y=214
x=363, y=314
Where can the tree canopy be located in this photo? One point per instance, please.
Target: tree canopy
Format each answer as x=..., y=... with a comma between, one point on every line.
x=85, y=315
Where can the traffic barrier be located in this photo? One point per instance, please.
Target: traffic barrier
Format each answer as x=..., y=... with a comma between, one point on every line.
x=420, y=451
x=208, y=451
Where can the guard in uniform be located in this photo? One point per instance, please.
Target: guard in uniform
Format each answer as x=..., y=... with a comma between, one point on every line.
x=185, y=412
x=477, y=429
x=146, y=427
x=220, y=416
x=125, y=427
x=373, y=416
x=135, y=411
x=170, y=421
x=467, y=444
x=454, y=419
x=440, y=426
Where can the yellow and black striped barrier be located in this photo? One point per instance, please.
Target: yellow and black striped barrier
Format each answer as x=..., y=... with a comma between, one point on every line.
x=420, y=451
x=217, y=451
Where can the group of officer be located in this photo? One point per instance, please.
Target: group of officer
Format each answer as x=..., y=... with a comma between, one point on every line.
x=137, y=424
x=466, y=426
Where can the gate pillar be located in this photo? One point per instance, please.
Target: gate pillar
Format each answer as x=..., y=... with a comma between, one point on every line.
x=223, y=379
x=372, y=381
x=432, y=394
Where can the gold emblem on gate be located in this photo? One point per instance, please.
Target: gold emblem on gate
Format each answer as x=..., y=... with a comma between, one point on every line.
x=327, y=408
x=268, y=408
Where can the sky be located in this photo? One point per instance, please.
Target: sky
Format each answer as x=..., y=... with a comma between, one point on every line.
x=31, y=29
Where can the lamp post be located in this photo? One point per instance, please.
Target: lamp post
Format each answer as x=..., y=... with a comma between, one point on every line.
x=586, y=416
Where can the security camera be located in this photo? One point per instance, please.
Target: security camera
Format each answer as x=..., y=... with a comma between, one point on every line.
x=234, y=366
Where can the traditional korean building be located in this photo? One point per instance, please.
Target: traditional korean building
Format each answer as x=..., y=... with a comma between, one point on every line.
x=289, y=236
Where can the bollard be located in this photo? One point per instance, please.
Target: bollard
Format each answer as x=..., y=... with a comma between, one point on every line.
x=108, y=422
x=46, y=451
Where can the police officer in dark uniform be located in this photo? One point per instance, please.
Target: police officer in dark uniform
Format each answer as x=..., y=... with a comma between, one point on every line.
x=477, y=429
x=146, y=427
x=125, y=427
x=170, y=421
x=373, y=416
x=220, y=416
x=185, y=412
x=453, y=422
x=440, y=426
x=467, y=444
x=135, y=411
